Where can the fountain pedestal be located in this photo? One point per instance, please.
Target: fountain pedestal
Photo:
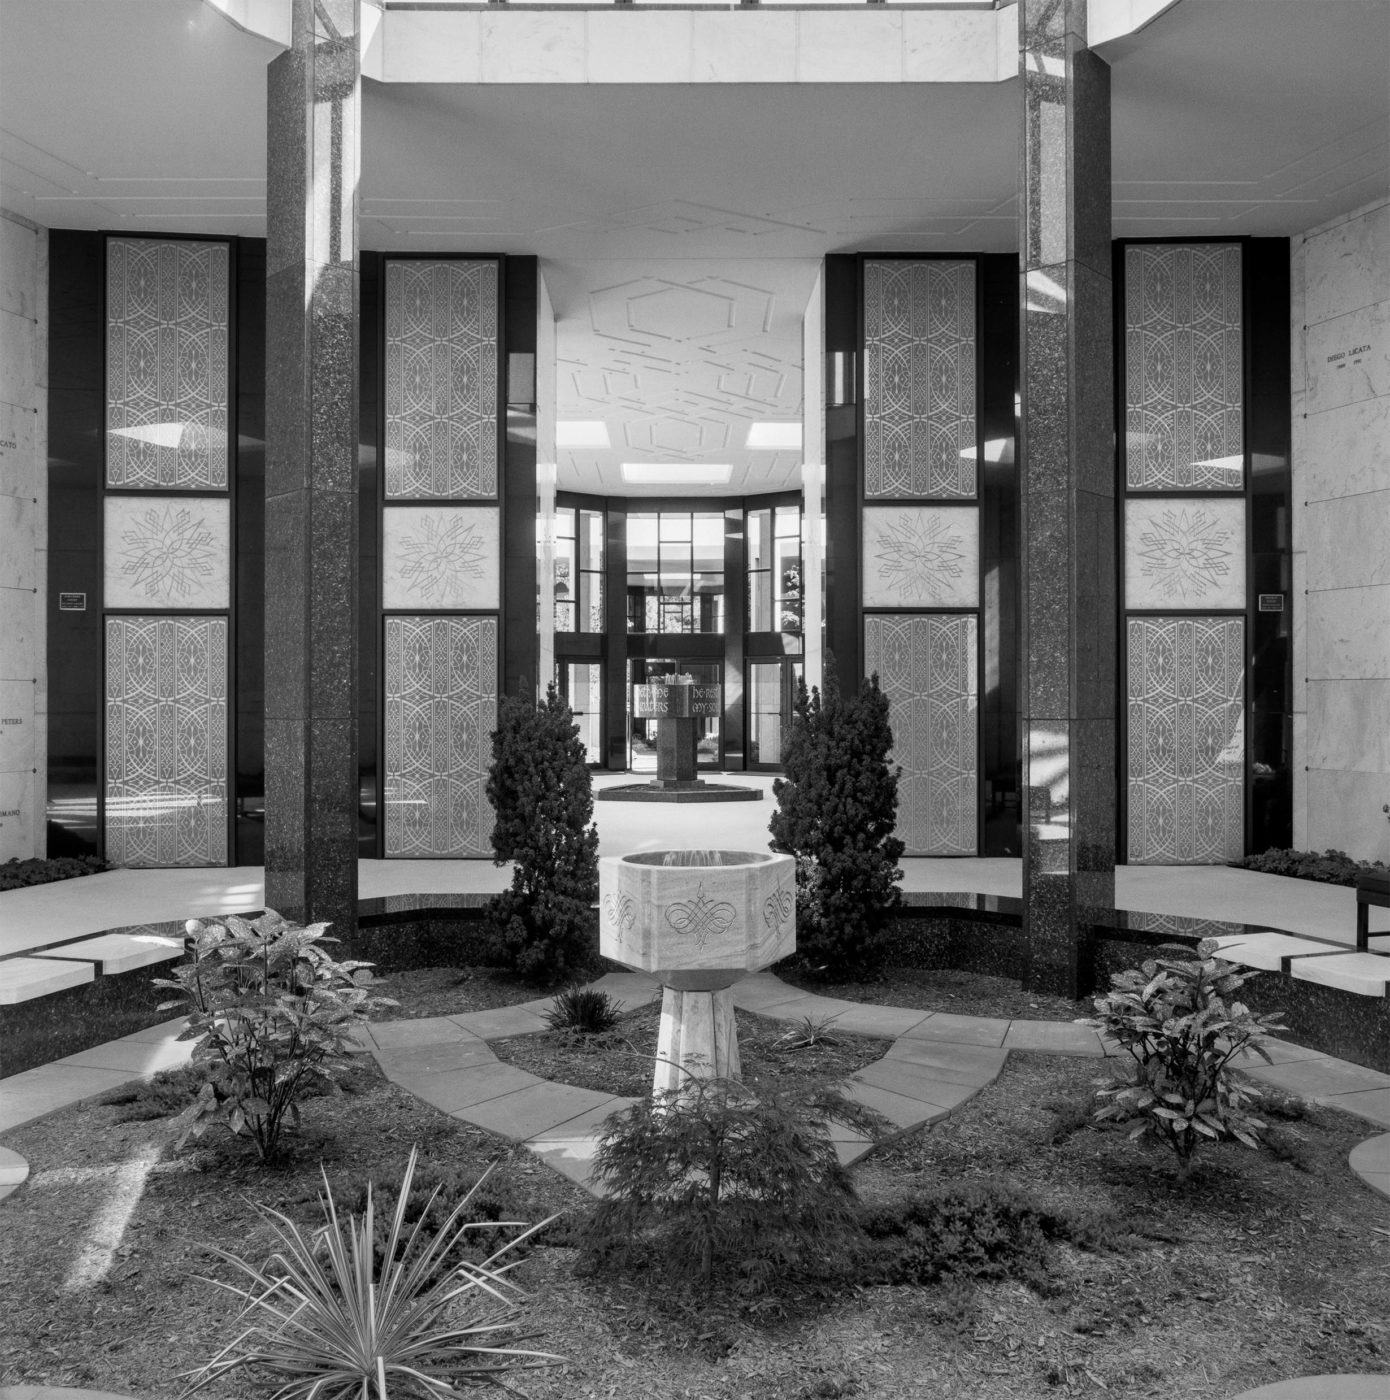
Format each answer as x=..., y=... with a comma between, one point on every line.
x=697, y=921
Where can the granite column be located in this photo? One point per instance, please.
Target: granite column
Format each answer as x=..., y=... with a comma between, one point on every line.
x=311, y=540
x=1066, y=481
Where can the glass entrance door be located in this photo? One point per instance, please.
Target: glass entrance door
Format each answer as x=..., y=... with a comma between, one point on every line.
x=771, y=696
x=641, y=733
x=581, y=685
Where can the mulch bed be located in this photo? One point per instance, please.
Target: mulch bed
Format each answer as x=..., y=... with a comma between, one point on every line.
x=1265, y=1265
x=621, y=1061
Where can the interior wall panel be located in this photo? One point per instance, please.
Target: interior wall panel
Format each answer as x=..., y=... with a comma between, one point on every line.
x=166, y=785
x=928, y=667
x=1186, y=760
x=440, y=677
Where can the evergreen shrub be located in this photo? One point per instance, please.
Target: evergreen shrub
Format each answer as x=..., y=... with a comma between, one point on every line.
x=543, y=801
x=836, y=811
x=712, y=1177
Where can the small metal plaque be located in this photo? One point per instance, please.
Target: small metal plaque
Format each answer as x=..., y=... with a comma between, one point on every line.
x=1271, y=602
x=72, y=602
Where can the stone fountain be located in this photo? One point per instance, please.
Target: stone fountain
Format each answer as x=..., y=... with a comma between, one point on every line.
x=697, y=921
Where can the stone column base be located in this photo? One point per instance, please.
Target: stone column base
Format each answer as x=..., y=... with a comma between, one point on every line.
x=698, y=1039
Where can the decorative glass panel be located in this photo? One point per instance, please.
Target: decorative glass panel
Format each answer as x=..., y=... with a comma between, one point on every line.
x=1184, y=397
x=1184, y=554
x=928, y=669
x=441, y=379
x=1186, y=699
x=167, y=552
x=921, y=556
x=443, y=557
x=166, y=741
x=166, y=364
x=441, y=709
x=919, y=379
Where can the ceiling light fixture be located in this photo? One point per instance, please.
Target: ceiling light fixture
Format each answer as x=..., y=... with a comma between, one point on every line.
x=774, y=435
x=676, y=473
x=581, y=432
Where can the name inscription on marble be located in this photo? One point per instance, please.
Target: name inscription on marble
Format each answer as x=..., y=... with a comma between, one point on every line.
x=1350, y=356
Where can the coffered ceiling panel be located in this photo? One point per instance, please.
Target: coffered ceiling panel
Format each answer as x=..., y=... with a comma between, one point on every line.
x=678, y=359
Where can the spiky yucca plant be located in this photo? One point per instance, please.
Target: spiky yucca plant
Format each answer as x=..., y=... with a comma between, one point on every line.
x=329, y=1322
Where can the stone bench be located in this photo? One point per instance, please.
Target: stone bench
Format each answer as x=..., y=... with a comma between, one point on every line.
x=1372, y=888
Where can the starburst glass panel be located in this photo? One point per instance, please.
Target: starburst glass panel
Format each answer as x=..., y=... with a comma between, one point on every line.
x=441, y=708
x=1186, y=740
x=919, y=379
x=1184, y=553
x=166, y=364
x=1184, y=390
x=928, y=669
x=441, y=379
x=166, y=741
x=440, y=558
x=921, y=557
x=167, y=552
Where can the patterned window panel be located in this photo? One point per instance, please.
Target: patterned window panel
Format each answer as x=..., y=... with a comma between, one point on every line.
x=927, y=665
x=441, y=709
x=1186, y=702
x=441, y=380
x=1184, y=396
x=919, y=379
x=166, y=364
x=166, y=741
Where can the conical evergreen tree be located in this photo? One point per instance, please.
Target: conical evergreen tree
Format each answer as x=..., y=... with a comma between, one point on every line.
x=542, y=797
x=836, y=811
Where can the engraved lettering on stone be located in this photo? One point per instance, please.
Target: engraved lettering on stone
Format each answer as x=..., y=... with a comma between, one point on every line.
x=701, y=917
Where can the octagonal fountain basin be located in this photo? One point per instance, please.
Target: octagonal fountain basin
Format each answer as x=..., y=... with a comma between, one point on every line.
x=697, y=920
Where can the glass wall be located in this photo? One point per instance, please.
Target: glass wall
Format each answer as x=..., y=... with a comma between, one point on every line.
x=675, y=571
x=774, y=570
x=578, y=570
x=582, y=682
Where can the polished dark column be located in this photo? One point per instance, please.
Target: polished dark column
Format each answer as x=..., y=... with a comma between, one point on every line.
x=311, y=564
x=1067, y=468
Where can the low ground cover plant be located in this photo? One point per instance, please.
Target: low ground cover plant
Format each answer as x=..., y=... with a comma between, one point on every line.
x=542, y=798
x=836, y=811
x=16, y=874
x=344, y=1314
x=1327, y=867
x=1175, y=1019
x=714, y=1178
x=973, y=1230
x=273, y=1018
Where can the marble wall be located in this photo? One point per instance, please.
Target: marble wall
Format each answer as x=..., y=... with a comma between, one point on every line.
x=1341, y=521
x=23, y=535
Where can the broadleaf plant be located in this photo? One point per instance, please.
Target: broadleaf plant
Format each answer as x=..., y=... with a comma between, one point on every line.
x=1177, y=1021
x=272, y=1014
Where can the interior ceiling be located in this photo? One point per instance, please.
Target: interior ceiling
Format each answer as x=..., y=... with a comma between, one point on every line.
x=681, y=224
